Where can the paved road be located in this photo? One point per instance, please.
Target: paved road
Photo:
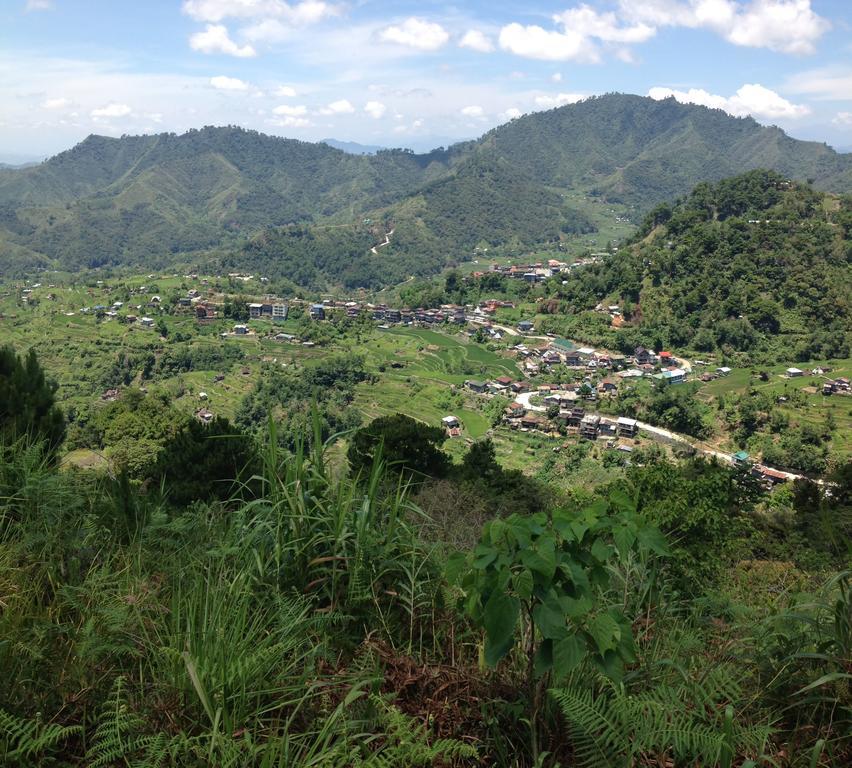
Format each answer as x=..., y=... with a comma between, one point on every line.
x=375, y=248
x=665, y=434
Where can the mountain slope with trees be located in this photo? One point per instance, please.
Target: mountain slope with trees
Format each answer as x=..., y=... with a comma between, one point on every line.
x=754, y=263
x=167, y=199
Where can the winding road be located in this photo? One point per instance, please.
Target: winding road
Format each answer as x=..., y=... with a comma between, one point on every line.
x=659, y=432
x=375, y=249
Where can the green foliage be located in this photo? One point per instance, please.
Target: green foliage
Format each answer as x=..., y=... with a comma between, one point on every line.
x=402, y=442
x=675, y=407
x=206, y=462
x=702, y=508
x=25, y=741
x=681, y=719
x=736, y=266
x=27, y=406
x=199, y=197
x=539, y=580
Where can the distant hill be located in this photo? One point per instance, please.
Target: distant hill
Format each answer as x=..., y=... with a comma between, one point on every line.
x=167, y=198
x=353, y=147
x=752, y=264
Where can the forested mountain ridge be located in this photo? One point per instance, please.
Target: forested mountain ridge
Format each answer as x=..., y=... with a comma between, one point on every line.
x=644, y=151
x=159, y=199
x=753, y=262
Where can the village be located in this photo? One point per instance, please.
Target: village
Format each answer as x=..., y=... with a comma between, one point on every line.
x=563, y=388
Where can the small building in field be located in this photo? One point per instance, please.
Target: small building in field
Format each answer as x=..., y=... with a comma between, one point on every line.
x=794, y=373
x=525, y=326
x=575, y=417
x=627, y=427
x=674, y=376
x=769, y=476
x=723, y=370
x=317, y=312
x=590, y=426
x=240, y=330
x=476, y=386
x=279, y=311
x=740, y=458
x=204, y=415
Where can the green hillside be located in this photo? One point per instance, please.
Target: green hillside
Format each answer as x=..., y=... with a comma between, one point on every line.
x=754, y=263
x=643, y=151
x=168, y=199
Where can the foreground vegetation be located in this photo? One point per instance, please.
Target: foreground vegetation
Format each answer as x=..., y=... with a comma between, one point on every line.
x=311, y=614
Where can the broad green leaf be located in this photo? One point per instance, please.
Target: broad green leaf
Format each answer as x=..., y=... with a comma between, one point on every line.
x=651, y=537
x=523, y=583
x=500, y=617
x=622, y=502
x=601, y=551
x=611, y=665
x=624, y=539
x=579, y=528
x=541, y=560
x=579, y=577
x=567, y=654
x=549, y=618
x=484, y=556
x=496, y=530
x=576, y=607
x=605, y=632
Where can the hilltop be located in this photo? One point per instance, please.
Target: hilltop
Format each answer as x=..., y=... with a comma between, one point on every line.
x=165, y=199
x=753, y=263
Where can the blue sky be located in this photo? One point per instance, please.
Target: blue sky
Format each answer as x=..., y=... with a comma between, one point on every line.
x=407, y=74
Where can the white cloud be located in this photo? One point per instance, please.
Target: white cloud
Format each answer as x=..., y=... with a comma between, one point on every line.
x=842, y=118
x=750, y=99
x=339, y=107
x=789, y=26
x=556, y=77
x=111, y=110
x=827, y=84
x=58, y=103
x=285, y=91
x=224, y=83
x=290, y=111
x=38, y=5
x=416, y=33
x=474, y=110
x=375, y=109
x=582, y=29
x=477, y=41
x=559, y=100
x=512, y=113
x=290, y=122
x=215, y=39
x=307, y=12
x=534, y=42
x=606, y=27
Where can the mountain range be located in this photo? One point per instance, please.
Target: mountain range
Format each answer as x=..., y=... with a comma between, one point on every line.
x=231, y=195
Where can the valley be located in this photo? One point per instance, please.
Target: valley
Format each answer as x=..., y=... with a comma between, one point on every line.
x=530, y=452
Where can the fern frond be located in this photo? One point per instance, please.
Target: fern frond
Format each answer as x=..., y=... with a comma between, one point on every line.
x=30, y=738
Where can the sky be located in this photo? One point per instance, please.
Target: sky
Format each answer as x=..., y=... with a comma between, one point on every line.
x=406, y=74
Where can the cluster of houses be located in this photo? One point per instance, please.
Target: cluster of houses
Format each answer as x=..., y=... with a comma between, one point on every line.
x=839, y=385
x=643, y=362
x=537, y=272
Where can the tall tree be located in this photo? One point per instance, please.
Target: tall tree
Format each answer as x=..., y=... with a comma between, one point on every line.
x=27, y=403
x=404, y=442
